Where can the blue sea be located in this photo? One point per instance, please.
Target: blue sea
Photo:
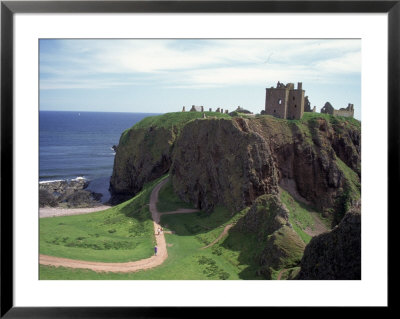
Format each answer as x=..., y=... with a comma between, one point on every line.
x=79, y=144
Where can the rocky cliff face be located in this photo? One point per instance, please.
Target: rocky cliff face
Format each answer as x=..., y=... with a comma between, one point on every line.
x=142, y=156
x=144, y=152
x=337, y=254
x=232, y=162
x=220, y=161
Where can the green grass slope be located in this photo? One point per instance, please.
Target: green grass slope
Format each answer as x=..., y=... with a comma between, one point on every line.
x=176, y=120
x=236, y=256
x=168, y=201
x=187, y=260
x=119, y=234
x=229, y=259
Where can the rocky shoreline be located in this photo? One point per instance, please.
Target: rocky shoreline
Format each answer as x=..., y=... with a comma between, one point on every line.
x=68, y=194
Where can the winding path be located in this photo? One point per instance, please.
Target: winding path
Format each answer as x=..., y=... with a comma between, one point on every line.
x=225, y=231
x=281, y=273
x=132, y=266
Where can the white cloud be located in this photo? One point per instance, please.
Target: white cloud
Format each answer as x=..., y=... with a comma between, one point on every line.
x=347, y=63
x=201, y=63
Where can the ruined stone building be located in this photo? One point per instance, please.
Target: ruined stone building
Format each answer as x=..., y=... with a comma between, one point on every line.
x=201, y=109
x=307, y=106
x=197, y=108
x=285, y=101
x=242, y=110
x=347, y=112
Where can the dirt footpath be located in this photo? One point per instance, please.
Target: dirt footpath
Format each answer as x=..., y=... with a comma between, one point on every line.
x=147, y=263
x=56, y=211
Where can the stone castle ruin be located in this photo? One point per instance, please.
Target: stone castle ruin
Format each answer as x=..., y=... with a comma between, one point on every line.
x=285, y=101
x=197, y=108
x=201, y=109
x=307, y=106
x=347, y=112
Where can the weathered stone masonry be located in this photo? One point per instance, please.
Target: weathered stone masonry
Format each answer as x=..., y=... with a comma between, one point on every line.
x=285, y=101
x=347, y=112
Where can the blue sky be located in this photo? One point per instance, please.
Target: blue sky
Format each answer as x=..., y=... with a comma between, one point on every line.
x=158, y=76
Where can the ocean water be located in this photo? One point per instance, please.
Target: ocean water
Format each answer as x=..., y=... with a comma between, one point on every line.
x=79, y=144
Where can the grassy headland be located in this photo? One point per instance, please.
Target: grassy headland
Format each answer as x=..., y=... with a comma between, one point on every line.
x=119, y=234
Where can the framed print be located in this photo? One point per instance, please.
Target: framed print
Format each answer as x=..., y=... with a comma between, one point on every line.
x=164, y=155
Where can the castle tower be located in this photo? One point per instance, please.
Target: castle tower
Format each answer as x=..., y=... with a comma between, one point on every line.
x=296, y=103
x=285, y=101
x=276, y=101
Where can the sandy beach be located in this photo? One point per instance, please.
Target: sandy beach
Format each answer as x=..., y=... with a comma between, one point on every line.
x=57, y=211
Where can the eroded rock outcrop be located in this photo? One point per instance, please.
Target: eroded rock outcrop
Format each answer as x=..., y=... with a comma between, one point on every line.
x=219, y=161
x=281, y=247
x=143, y=155
x=232, y=162
x=70, y=193
x=144, y=152
x=337, y=254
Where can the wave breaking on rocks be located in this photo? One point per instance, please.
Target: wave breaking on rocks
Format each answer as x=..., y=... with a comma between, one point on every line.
x=69, y=193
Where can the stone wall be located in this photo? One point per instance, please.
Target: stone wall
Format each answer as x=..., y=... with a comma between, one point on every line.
x=295, y=108
x=276, y=102
x=345, y=113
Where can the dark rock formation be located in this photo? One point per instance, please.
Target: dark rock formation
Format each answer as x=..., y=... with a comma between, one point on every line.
x=144, y=152
x=337, y=254
x=142, y=155
x=80, y=198
x=62, y=186
x=46, y=198
x=222, y=161
x=70, y=193
x=347, y=145
x=232, y=162
x=280, y=245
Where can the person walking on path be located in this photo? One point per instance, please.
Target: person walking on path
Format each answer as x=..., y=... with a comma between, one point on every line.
x=155, y=250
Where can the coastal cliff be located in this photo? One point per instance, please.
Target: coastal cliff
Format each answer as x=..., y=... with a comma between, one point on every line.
x=144, y=152
x=245, y=162
x=233, y=161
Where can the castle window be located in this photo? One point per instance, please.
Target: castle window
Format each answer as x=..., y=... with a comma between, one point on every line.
x=293, y=98
x=274, y=111
x=280, y=101
x=295, y=105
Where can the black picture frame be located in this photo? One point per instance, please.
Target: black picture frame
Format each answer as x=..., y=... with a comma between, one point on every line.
x=9, y=8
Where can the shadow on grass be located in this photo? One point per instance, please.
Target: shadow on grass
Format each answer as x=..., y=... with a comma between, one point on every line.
x=201, y=224
x=194, y=224
x=248, y=247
